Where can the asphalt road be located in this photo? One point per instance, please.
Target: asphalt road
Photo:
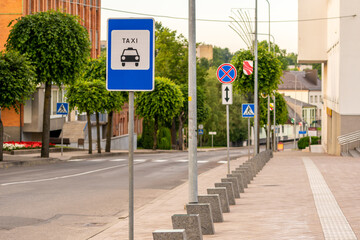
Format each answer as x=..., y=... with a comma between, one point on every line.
x=79, y=198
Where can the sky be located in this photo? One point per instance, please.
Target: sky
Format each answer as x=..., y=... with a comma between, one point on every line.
x=215, y=33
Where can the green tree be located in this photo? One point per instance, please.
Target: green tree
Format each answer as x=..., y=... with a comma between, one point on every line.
x=281, y=110
x=88, y=96
x=96, y=69
x=220, y=56
x=16, y=84
x=162, y=104
x=58, y=46
x=279, y=53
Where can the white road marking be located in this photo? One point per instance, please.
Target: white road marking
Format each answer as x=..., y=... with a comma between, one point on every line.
x=117, y=160
x=182, y=160
x=98, y=160
x=139, y=160
x=202, y=161
x=61, y=177
x=332, y=219
x=76, y=160
x=160, y=161
x=222, y=162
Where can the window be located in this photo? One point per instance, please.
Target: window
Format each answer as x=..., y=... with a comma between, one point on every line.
x=311, y=99
x=316, y=97
x=57, y=95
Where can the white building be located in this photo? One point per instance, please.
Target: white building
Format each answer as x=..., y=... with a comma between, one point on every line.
x=334, y=42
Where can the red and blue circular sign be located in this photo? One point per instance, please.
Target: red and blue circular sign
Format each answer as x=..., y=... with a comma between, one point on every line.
x=226, y=73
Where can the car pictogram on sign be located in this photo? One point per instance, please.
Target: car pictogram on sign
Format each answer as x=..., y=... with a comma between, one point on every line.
x=130, y=55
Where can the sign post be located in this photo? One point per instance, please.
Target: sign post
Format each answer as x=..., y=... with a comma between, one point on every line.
x=62, y=109
x=248, y=111
x=226, y=74
x=212, y=138
x=130, y=67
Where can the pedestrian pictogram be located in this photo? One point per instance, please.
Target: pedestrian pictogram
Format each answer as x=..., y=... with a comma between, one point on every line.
x=62, y=108
x=248, y=110
x=226, y=73
x=248, y=67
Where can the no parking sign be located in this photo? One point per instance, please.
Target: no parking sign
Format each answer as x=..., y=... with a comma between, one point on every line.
x=226, y=73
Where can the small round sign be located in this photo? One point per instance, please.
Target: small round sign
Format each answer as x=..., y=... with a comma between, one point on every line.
x=201, y=126
x=226, y=73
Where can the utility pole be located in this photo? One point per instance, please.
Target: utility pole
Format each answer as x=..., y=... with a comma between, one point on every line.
x=193, y=184
x=268, y=98
x=256, y=122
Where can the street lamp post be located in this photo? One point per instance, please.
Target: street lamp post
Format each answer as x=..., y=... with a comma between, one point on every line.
x=268, y=98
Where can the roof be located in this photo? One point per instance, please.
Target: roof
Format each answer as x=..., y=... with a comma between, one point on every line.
x=305, y=80
x=298, y=102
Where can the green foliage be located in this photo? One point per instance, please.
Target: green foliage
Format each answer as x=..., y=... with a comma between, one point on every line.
x=281, y=110
x=55, y=42
x=17, y=77
x=163, y=103
x=317, y=66
x=304, y=142
x=279, y=53
x=202, y=108
x=87, y=95
x=165, y=138
x=220, y=56
x=147, y=140
x=269, y=72
x=292, y=59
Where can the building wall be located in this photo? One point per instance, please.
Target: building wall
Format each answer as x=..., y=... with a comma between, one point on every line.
x=301, y=95
x=204, y=51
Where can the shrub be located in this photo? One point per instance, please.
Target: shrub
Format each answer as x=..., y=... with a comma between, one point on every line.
x=304, y=142
x=147, y=139
x=165, y=138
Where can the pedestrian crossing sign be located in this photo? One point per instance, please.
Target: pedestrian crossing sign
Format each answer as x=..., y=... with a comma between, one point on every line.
x=62, y=108
x=248, y=110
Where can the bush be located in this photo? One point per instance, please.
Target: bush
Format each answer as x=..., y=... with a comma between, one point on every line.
x=165, y=138
x=147, y=139
x=304, y=142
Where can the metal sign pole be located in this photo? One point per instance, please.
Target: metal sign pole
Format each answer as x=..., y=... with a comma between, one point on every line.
x=212, y=141
x=131, y=165
x=248, y=138
x=62, y=138
x=228, y=137
x=275, y=130
x=256, y=118
x=193, y=172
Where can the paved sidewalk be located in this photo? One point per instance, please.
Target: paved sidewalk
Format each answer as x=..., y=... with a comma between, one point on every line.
x=280, y=203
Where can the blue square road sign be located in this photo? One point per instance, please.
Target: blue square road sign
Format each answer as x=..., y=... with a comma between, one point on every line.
x=248, y=110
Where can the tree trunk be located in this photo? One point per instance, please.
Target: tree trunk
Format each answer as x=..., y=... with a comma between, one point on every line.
x=89, y=131
x=181, y=137
x=156, y=126
x=109, y=132
x=173, y=134
x=46, y=121
x=1, y=138
x=98, y=133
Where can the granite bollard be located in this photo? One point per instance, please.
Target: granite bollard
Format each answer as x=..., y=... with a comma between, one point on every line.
x=247, y=172
x=173, y=234
x=223, y=198
x=235, y=184
x=189, y=222
x=204, y=211
x=240, y=181
x=243, y=177
x=229, y=191
x=215, y=205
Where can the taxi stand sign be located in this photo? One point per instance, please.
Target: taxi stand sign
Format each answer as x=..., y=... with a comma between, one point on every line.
x=130, y=54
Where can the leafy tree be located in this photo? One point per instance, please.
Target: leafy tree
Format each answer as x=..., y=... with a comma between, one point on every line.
x=220, y=56
x=162, y=104
x=58, y=46
x=292, y=59
x=16, y=84
x=88, y=96
x=279, y=53
x=281, y=110
x=96, y=69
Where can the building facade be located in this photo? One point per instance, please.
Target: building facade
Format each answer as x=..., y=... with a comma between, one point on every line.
x=27, y=125
x=333, y=41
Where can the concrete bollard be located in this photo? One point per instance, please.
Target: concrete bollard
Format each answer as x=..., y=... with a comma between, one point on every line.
x=204, y=211
x=235, y=185
x=215, y=205
x=229, y=191
x=173, y=234
x=247, y=172
x=189, y=222
x=243, y=177
x=240, y=181
x=223, y=198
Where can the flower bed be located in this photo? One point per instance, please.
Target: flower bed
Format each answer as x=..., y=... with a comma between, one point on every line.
x=8, y=146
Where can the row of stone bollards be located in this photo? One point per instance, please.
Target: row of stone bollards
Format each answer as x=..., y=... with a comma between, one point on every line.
x=201, y=216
